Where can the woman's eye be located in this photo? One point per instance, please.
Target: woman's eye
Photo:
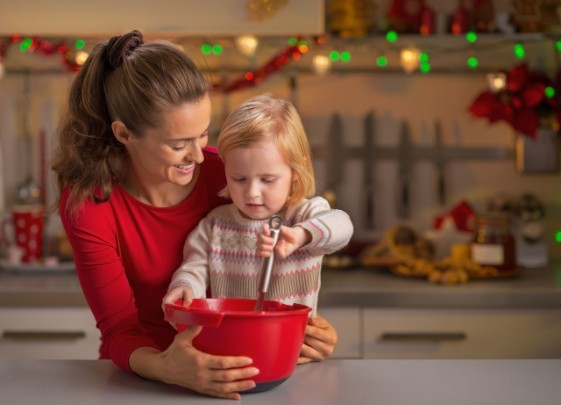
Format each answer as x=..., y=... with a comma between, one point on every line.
x=177, y=148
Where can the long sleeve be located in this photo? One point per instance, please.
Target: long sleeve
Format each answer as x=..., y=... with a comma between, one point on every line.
x=331, y=229
x=194, y=270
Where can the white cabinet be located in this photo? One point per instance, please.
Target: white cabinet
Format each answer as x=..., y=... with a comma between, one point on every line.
x=461, y=334
x=48, y=333
x=346, y=321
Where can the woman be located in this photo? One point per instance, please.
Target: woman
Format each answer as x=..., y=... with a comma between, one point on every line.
x=135, y=177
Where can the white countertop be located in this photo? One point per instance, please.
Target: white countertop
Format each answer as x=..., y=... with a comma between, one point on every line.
x=535, y=288
x=348, y=382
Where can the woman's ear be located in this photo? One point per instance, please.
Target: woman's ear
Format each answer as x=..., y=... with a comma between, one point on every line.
x=120, y=131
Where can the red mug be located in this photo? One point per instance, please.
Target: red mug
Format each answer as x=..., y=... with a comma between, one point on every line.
x=27, y=222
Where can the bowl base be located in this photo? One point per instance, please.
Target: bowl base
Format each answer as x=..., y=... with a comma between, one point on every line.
x=265, y=386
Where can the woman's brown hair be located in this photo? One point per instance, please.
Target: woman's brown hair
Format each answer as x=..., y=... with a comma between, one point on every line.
x=125, y=79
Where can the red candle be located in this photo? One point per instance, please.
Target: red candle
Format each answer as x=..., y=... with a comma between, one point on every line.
x=427, y=21
x=460, y=22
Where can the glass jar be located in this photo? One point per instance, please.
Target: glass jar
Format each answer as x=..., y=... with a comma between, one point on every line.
x=493, y=243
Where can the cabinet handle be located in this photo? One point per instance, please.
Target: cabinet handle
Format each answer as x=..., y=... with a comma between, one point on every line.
x=42, y=335
x=423, y=336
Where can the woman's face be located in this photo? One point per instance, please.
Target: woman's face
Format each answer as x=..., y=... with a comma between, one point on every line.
x=171, y=152
x=259, y=180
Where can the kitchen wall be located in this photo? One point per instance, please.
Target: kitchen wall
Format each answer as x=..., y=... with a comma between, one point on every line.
x=394, y=97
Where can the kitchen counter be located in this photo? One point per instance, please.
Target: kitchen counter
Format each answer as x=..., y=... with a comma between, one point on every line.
x=345, y=287
x=349, y=382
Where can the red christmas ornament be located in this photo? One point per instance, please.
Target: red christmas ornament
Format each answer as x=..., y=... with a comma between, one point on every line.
x=522, y=103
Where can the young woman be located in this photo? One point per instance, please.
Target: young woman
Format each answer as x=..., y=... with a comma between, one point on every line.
x=135, y=177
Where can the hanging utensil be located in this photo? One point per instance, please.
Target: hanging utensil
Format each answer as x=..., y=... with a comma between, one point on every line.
x=368, y=162
x=27, y=192
x=275, y=223
x=439, y=162
x=404, y=196
x=335, y=150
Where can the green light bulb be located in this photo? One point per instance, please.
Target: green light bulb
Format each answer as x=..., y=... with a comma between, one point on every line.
x=423, y=57
x=558, y=46
x=472, y=62
x=391, y=36
x=25, y=44
x=471, y=37
x=80, y=44
x=217, y=49
x=334, y=56
x=292, y=41
x=558, y=236
x=519, y=51
x=206, y=49
x=549, y=92
x=382, y=61
x=425, y=67
x=345, y=56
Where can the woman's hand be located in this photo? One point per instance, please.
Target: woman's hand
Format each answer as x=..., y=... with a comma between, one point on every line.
x=290, y=239
x=217, y=376
x=319, y=342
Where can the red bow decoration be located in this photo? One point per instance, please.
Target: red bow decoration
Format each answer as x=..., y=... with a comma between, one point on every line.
x=522, y=103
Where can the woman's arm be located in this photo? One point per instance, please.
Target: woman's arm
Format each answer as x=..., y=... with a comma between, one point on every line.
x=97, y=255
x=182, y=364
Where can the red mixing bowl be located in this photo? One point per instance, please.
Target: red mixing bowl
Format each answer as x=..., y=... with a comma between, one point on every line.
x=272, y=338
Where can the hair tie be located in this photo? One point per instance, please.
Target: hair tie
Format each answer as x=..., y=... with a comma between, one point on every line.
x=121, y=47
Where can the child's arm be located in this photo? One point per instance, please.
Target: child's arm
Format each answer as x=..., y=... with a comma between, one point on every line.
x=318, y=227
x=190, y=280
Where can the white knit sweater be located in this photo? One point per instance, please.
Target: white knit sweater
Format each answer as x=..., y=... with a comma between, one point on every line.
x=221, y=254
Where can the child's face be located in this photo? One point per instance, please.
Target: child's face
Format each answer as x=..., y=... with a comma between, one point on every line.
x=259, y=180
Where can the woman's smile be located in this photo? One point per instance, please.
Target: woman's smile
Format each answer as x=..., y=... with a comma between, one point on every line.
x=185, y=169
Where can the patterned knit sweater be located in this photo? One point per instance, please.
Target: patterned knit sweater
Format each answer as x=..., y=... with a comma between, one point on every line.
x=220, y=254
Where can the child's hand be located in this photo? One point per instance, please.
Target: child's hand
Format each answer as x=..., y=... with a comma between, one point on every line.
x=182, y=292
x=290, y=239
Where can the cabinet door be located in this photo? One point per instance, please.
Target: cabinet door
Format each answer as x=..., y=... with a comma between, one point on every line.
x=347, y=323
x=48, y=333
x=471, y=334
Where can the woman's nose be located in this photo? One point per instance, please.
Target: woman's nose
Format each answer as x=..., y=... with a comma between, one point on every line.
x=195, y=153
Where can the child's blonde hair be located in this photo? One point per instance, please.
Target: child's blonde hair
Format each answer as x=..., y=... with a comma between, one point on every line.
x=264, y=118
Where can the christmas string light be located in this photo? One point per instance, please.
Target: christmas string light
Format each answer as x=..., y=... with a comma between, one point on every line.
x=42, y=46
x=292, y=52
x=247, y=44
x=321, y=64
x=73, y=53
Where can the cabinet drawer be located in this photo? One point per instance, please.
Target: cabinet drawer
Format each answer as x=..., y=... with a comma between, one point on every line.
x=48, y=333
x=347, y=323
x=440, y=334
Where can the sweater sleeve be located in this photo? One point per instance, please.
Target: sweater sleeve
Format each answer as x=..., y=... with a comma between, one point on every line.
x=193, y=271
x=331, y=229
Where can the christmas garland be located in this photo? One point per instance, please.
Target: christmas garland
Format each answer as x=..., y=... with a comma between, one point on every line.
x=67, y=55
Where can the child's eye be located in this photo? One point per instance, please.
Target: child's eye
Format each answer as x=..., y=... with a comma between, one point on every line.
x=268, y=179
x=177, y=148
